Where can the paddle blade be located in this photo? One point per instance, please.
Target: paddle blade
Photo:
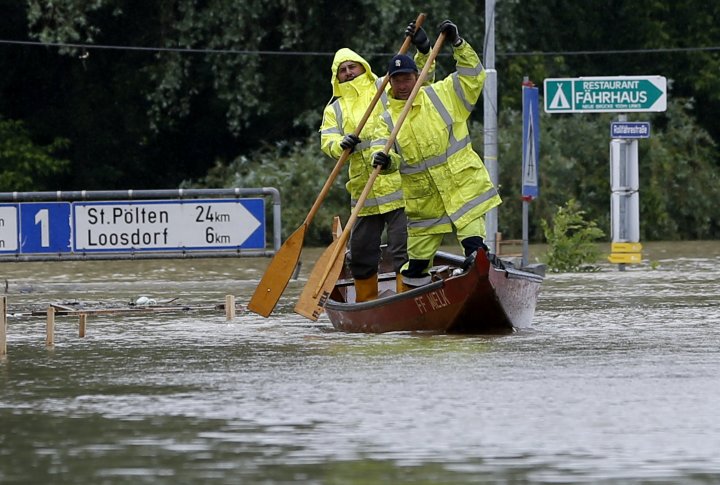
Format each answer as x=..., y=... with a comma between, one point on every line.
x=312, y=300
x=278, y=274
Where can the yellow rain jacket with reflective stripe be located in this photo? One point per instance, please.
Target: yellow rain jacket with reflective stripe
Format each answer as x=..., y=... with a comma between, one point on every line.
x=341, y=117
x=444, y=180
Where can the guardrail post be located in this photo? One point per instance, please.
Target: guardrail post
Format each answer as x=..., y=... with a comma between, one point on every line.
x=82, y=321
x=50, y=328
x=3, y=327
x=230, y=307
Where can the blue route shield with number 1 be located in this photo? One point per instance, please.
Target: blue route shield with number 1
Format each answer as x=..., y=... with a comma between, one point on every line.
x=45, y=227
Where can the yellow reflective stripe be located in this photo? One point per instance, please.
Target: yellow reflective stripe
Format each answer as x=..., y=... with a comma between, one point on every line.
x=383, y=96
x=362, y=146
x=455, y=147
x=388, y=120
x=439, y=106
x=338, y=114
x=470, y=71
x=459, y=92
x=369, y=144
x=425, y=223
x=377, y=201
x=468, y=206
x=331, y=131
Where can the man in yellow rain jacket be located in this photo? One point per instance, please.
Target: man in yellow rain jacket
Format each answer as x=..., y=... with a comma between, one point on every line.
x=445, y=183
x=354, y=86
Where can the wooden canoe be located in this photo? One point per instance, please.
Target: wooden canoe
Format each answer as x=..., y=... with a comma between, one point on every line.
x=484, y=299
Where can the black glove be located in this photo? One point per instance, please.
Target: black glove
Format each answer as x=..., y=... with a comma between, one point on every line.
x=349, y=141
x=381, y=159
x=419, y=38
x=451, y=32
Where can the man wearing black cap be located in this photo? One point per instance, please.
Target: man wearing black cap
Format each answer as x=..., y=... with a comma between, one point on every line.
x=445, y=184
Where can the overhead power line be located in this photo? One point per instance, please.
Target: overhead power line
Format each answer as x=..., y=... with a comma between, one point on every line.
x=658, y=50
x=183, y=50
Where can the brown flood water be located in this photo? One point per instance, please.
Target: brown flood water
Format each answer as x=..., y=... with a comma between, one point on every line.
x=615, y=383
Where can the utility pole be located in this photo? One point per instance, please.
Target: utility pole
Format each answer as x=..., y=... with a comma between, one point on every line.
x=490, y=118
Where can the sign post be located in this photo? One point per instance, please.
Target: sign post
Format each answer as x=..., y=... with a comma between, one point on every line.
x=616, y=94
x=625, y=191
x=530, y=157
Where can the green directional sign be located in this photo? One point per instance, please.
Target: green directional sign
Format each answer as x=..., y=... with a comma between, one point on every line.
x=618, y=94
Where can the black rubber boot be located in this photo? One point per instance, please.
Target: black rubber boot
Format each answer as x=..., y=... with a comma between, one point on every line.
x=472, y=244
x=415, y=275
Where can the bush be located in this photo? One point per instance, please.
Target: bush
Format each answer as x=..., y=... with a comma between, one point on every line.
x=571, y=240
x=679, y=172
x=299, y=171
x=24, y=164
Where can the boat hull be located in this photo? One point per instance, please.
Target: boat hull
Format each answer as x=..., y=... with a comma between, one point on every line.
x=484, y=299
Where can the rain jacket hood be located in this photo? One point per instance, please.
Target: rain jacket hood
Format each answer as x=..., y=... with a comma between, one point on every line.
x=344, y=55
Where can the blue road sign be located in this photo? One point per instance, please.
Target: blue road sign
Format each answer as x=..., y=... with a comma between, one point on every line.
x=630, y=129
x=156, y=225
x=531, y=142
x=45, y=227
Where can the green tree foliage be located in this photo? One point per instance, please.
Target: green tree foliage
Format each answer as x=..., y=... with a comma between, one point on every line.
x=571, y=240
x=254, y=69
x=258, y=74
x=679, y=184
x=25, y=165
x=580, y=28
x=64, y=21
x=241, y=76
x=574, y=164
x=299, y=171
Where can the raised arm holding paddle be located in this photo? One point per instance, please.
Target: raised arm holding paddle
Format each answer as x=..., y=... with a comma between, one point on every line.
x=325, y=273
x=281, y=267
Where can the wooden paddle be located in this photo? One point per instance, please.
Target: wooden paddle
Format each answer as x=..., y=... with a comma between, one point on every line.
x=327, y=268
x=278, y=273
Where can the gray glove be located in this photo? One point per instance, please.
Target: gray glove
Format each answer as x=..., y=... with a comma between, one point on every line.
x=418, y=37
x=349, y=141
x=381, y=159
x=451, y=32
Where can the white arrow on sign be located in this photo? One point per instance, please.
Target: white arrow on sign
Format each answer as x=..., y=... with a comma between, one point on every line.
x=248, y=223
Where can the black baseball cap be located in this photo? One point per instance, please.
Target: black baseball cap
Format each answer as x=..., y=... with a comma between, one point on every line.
x=401, y=63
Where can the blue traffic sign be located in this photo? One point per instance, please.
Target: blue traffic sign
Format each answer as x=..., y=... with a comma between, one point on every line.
x=132, y=226
x=630, y=129
x=531, y=142
x=45, y=227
